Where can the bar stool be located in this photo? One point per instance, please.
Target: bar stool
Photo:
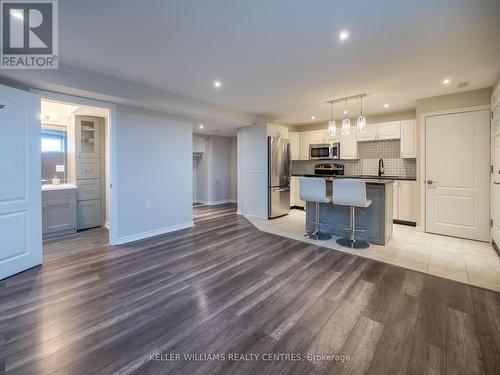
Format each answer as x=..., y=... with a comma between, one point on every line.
x=312, y=189
x=351, y=193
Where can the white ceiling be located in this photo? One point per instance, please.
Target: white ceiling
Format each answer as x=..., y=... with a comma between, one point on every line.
x=282, y=59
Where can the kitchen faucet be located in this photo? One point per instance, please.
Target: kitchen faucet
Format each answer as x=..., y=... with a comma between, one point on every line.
x=380, y=167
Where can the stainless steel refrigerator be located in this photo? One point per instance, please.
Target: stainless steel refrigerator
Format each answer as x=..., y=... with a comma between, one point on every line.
x=278, y=151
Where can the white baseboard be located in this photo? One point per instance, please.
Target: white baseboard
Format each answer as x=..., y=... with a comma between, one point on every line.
x=215, y=203
x=255, y=216
x=152, y=233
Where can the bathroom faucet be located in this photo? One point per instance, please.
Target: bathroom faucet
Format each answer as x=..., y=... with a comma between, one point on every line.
x=380, y=167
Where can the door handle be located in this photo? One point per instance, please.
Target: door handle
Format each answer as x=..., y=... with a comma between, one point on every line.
x=430, y=182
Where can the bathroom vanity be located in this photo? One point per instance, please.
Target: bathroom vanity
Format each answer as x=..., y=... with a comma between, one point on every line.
x=58, y=210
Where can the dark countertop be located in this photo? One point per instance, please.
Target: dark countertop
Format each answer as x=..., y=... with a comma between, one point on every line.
x=362, y=177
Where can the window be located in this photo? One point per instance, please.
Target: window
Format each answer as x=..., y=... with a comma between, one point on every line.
x=53, y=141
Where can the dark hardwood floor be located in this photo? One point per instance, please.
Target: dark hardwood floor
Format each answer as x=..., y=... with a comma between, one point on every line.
x=223, y=288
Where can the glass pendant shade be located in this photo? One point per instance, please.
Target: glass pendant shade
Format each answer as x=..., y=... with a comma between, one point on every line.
x=346, y=125
x=332, y=128
x=361, y=124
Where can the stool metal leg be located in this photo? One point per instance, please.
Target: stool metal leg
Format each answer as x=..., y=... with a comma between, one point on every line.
x=352, y=242
x=316, y=233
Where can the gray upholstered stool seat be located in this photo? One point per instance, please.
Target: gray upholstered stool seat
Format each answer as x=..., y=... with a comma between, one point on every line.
x=313, y=189
x=351, y=193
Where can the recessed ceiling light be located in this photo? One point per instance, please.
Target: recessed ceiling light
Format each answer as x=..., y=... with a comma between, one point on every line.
x=217, y=84
x=202, y=126
x=343, y=35
x=446, y=81
x=313, y=117
x=345, y=111
x=386, y=105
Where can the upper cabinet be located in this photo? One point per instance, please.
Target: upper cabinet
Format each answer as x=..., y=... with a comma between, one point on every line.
x=277, y=131
x=389, y=130
x=88, y=137
x=294, y=138
x=384, y=130
x=332, y=139
x=370, y=134
x=317, y=136
x=349, y=145
x=408, y=139
x=305, y=140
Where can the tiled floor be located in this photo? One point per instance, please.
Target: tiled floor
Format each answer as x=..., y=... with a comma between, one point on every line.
x=472, y=262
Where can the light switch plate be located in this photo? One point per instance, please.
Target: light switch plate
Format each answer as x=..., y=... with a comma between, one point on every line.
x=60, y=168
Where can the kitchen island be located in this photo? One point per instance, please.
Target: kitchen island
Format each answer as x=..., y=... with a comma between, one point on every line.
x=376, y=219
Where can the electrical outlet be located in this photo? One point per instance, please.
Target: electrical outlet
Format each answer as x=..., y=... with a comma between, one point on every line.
x=148, y=204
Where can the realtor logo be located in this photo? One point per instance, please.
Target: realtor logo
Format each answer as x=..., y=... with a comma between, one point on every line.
x=29, y=34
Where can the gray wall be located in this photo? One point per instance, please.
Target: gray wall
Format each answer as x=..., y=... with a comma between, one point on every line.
x=154, y=162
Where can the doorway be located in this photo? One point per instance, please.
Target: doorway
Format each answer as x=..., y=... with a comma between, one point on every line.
x=457, y=174
x=75, y=167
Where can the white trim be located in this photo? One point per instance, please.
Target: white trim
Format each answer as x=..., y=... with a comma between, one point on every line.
x=152, y=233
x=256, y=216
x=112, y=136
x=215, y=203
x=423, y=118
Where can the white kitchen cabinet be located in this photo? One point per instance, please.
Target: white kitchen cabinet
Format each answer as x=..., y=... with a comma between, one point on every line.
x=382, y=131
x=305, y=140
x=369, y=135
x=408, y=139
x=294, y=138
x=332, y=139
x=295, y=200
x=349, y=145
x=389, y=130
x=395, y=196
x=407, y=191
x=317, y=137
x=277, y=131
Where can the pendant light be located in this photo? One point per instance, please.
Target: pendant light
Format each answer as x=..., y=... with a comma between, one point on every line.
x=361, y=123
x=332, y=128
x=346, y=124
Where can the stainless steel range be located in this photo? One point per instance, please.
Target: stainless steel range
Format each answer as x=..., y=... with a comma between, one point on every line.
x=329, y=169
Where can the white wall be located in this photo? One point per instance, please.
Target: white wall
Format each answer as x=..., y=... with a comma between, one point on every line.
x=154, y=162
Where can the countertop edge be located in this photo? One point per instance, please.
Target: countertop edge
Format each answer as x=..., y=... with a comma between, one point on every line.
x=392, y=178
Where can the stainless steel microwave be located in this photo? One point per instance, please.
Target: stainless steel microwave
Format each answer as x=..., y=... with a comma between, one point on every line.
x=324, y=151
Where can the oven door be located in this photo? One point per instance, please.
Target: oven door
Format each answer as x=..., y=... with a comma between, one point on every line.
x=319, y=151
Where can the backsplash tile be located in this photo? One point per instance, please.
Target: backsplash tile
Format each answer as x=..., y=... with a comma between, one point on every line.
x=369, y=154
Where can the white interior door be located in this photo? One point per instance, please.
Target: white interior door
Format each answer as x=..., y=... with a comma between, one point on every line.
x=457, y=174
x=20, y=190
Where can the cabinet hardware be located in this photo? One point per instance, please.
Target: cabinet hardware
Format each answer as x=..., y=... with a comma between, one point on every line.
x=2, y=106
